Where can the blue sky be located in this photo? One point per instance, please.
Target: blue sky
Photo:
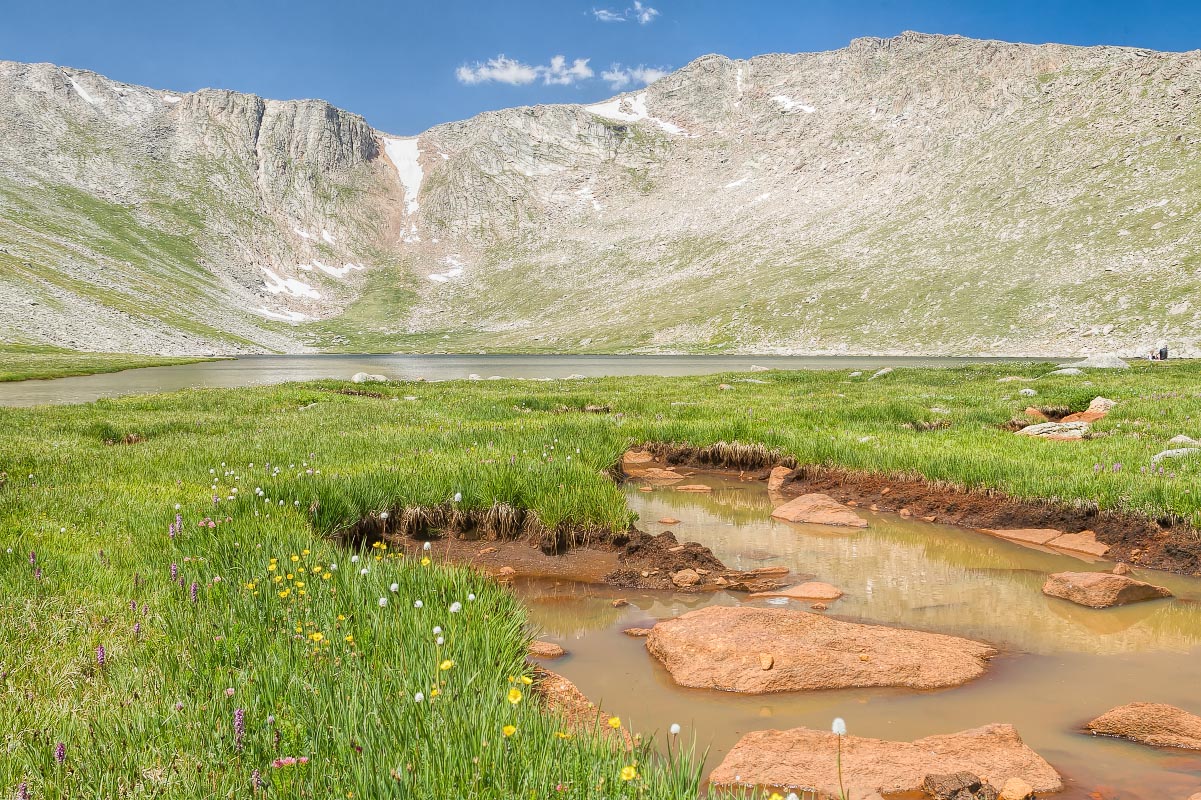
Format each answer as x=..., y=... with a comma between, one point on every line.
x=408, y=65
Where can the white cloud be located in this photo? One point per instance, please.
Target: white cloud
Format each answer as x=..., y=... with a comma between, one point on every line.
x=507, y=70
x=643, y=13
x=499, y=69
x=606, y=15
x=562, y=75
x=620, y=77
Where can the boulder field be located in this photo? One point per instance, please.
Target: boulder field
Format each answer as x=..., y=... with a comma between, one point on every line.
x=760, y=650
x=803, y=757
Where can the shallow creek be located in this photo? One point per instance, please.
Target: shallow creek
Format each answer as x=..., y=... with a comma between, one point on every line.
x=1060, y=664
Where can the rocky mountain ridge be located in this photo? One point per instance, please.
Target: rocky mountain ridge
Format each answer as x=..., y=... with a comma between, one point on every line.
x=921, y=194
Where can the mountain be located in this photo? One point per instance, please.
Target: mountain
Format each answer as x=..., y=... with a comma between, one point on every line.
x=921, y=194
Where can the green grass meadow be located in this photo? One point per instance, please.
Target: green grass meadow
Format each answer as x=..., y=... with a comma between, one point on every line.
x=253, y=637
x=29, y=362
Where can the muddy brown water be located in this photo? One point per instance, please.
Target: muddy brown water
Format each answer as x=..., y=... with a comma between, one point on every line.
x=1060, y=665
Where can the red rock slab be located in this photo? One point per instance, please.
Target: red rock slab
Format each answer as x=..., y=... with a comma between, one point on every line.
x=818, y=509
x=806, y=758
x=1083, y=542
x=810, y=590
x=1026, y=535
x=1101, y=589
x=659, y=476
x=775, y=481
x=1156, y=724
x=542, y=649
x=719, y=647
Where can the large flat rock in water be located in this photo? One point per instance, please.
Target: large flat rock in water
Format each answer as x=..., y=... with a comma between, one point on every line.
x=761, y=650
x=806, y=758
x=1101, y=589
x=818, y=509
x=1156, y=724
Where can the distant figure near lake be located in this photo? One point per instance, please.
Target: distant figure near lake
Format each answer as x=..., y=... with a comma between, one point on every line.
x=1160, y=353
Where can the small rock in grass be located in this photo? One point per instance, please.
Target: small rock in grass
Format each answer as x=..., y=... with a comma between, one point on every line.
x=1028, y=392
x=1179, y=452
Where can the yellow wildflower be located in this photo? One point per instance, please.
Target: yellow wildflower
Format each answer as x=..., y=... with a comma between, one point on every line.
x=250, y=585
x=299, y=584
x=271, y=567
x=514, y=695
x=290, y=576
x=304, y=552
x=527, y=680
x=445, y=665
x=341, y=618
x=509, y=730
x=561, y=735
x=295, y=559
x=285, y=593
x=615, y=723
x=316, y=636
x=425, y=562
x=628, y=773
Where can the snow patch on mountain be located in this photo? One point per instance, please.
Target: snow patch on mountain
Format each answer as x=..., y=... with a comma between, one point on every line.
x=406, y=157
x=788, y=104
x=632, y=109
x=275, y=284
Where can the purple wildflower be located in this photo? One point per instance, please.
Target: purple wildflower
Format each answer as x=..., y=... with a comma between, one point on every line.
x=239, y=726
x=137, y=629
x=195, y=592
x=60, y=752
x=133, y=606
x=174, y=572
x=256, y=780
x=179, y=706
x=23, y=791
x=100, y=655
x=33, y=558
x=37, y=574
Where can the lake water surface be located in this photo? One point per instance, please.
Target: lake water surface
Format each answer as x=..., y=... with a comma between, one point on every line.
x=266, y=370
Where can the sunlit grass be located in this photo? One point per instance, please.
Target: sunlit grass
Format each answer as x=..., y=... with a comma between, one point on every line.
x=157, y=717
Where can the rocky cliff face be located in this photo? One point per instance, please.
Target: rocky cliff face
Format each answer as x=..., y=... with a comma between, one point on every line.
x=916, y=194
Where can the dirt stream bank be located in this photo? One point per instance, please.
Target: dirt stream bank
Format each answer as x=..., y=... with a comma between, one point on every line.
x=1164, y=544
x=510, y=542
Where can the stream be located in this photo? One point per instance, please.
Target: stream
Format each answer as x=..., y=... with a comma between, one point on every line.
x=1060, y=664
